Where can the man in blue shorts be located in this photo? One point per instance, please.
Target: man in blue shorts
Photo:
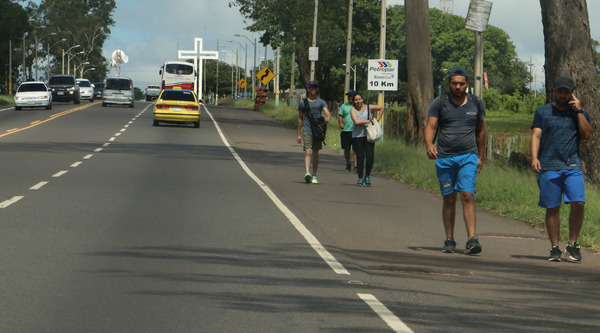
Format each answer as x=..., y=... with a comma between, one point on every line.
x=459, y=153
x=346, y=126
x=557, y=130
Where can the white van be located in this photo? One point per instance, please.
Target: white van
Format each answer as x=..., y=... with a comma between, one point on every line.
x=118, y=90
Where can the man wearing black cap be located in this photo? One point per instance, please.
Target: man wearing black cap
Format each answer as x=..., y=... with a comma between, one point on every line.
x=311, y=147
x=459, y=153
x=557, y=130
x=346, y=125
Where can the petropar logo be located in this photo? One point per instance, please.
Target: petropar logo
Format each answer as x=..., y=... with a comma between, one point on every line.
x=383, y=66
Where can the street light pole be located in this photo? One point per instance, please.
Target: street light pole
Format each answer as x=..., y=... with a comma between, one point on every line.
x=69, y=57
x=348, y=52
x=253, y=68
x=63, y=57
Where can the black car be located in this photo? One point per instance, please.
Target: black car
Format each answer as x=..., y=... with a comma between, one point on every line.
x=64, y=88
x=98, y=88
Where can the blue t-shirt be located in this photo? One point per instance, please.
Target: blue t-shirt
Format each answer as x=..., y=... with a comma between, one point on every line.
x=457, y=126
x=316, y=108
x=559, y=144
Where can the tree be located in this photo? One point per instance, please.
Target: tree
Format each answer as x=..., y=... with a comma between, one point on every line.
x=420, y=79
x=569, y=52
x=13, y=24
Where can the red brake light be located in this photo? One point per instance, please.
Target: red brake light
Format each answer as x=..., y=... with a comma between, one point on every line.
x=162, y=106
x=191, y=107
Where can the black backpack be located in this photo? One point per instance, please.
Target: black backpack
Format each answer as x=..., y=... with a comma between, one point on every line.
x=317, y=126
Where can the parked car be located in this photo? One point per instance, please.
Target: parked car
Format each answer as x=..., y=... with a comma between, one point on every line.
x=86, y=89
x=33, y=94
x=177, y=106
x=64, y=88
x=152, y=92
x=118, y=90
x=98, y=87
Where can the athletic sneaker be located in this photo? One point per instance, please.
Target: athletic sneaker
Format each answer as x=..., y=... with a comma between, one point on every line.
x=355, y=169
x=348, y=167
x=367, y=181
x=314, y=180
x=307, y=177
x=449, y=245
x=555, y=254
x=473, y=246
x=574, y=252
x=360, y=182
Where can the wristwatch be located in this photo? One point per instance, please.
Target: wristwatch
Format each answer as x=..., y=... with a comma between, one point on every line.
x=579, y=111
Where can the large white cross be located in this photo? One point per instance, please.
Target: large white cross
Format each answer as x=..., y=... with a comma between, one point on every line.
x=198, y=54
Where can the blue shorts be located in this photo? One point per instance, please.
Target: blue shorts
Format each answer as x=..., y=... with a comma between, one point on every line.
x=457, y=173
x=556, y=184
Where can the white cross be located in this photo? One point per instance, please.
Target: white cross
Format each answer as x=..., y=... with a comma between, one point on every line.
x=198, y=54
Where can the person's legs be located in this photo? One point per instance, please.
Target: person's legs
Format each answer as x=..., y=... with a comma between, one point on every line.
x=468, y=203
x=359, y=149
x=369, y=156
x=449, y=213
x=307, y=155
x=553, y=224
x=575, y=220
x=315, y=162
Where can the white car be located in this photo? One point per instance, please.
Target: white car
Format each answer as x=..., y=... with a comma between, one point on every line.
x=86, y=89
x=33, y=94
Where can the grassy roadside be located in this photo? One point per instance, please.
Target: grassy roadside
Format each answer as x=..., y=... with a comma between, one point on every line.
x=501, y=188
x=6, y=100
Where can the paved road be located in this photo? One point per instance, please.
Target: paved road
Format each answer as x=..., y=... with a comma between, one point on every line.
x=112, y=225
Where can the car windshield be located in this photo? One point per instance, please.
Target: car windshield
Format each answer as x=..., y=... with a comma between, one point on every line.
x=179, y=69
x=32, y=87
x=64, y=80
x=178, y=95
x=99, y=85
x=84, y=83
x=118, y=84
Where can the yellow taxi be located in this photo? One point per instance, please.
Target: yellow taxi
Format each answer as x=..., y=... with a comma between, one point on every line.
x=177, y=106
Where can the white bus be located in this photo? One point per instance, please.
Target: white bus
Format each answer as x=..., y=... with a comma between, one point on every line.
x=178, y=74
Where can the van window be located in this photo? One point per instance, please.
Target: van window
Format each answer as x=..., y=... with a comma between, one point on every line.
x=64, y=80
x=179, y=69
x=118, y=84
x=32, y=87
x=177, y=95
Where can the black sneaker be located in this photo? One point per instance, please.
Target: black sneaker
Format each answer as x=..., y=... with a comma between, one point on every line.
x=355, y=169
x=555, y=254
x=449, y=245
x=574, y=252
x=307, y=177
x=348, y=167
x=473, y=246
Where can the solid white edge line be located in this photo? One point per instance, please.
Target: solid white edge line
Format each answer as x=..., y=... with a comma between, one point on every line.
x=382, y=311
x=38, y=185
x=337, y=267
x=11, y=201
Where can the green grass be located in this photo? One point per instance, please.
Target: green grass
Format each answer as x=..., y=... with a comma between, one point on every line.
x=501, y=188
x=6, y=100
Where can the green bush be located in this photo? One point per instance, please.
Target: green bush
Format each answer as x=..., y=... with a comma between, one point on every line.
x=6, y=100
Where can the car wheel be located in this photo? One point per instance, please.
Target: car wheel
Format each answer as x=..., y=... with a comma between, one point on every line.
x=49, y=107
x=103, y=104
x=196, y=124
x=91, y=100
x=131, y=105
x=155, y=122
x=18, y=108
x=76, y=101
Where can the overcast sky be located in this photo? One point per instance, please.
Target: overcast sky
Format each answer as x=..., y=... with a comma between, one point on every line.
x=150, y=32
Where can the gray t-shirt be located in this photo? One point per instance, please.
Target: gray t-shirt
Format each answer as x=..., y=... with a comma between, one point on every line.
x=360, y=131
x=457, y=126
x=316, y=108
x=559, y=144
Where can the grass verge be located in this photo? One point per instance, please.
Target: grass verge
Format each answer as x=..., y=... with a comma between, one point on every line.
x=503, y=189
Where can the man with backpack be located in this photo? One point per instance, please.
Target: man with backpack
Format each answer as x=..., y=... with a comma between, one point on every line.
x=459, y=153
x=309, y=115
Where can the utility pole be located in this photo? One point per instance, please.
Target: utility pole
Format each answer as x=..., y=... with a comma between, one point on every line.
x=348, y=52
x=277, y=78
x=382, y=39
x=314, y=41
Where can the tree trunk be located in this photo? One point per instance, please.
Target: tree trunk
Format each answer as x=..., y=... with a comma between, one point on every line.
x=420, y=73
x=569, y=52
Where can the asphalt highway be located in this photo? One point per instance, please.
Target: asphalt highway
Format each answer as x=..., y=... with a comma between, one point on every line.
x=108, y=224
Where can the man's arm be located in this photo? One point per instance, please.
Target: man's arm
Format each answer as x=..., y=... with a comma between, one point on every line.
x=584, y=126
x=428, y=134
x=300, y=123
x=534, y=148
x=480, y=144
x=327, y=115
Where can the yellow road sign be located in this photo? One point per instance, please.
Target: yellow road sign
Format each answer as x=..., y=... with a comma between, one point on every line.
x=265, y=75
x=242, y=83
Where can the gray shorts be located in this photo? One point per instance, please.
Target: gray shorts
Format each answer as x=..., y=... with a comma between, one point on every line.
x=307, y=139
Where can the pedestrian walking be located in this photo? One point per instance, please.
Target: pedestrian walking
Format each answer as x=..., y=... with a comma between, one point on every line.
x=557, y=130
x=365, y=151
x=457, y=121
x=346, y=125
x=316, y=107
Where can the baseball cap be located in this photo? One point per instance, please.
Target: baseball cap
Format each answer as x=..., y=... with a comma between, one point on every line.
x=458, y=71
x=351, y=93
x=313, y=84
x=563, y=82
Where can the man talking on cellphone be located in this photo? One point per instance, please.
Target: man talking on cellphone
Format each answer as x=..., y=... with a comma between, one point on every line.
x=557, y=130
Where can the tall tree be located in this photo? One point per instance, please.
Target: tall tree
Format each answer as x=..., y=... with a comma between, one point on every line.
x=420, y=76
x=569, y=52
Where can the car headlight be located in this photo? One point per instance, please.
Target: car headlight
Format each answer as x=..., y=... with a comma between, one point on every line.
x=19, y=98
